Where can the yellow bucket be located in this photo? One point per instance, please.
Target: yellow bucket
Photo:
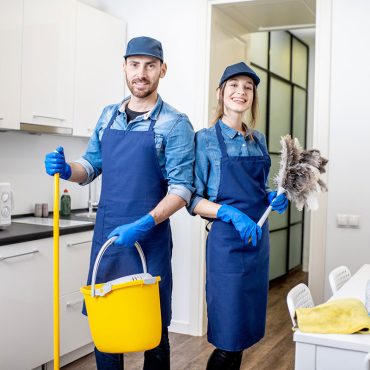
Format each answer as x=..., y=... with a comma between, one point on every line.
x=124, y=314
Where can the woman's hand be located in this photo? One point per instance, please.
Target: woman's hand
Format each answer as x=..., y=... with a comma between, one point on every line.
x=278, y=203
x=246, y=227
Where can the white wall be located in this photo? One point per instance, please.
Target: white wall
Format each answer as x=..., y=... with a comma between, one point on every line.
x=349, y=149
x=22, y=164
x=341, y=128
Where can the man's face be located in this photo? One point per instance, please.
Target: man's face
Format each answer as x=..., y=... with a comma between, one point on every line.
x=143, y=74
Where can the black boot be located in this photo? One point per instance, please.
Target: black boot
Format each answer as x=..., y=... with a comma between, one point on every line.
x=158, y=358
x=224, y=360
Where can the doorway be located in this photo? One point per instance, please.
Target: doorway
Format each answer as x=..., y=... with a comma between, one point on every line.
x=278, y=40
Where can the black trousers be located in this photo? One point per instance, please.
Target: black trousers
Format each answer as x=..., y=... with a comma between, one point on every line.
x=157, y=358
x=224, y=360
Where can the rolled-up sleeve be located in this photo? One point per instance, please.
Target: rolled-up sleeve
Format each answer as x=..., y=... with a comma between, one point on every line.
x=179, y=162
x=91, y=161
x=201, y=171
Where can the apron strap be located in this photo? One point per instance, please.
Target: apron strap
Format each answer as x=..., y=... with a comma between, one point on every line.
x=113, y=118
x=263, y=149
x=153, y=121
x=221, y=141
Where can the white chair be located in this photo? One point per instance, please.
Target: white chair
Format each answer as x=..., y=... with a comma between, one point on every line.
x=338, y=277
x=299, y=296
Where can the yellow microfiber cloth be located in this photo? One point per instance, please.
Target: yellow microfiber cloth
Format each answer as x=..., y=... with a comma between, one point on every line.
x=341, y=316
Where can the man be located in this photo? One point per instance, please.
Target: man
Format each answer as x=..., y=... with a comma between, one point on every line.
x=145, y=150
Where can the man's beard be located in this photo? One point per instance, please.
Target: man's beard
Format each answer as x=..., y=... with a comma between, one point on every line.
x=142, y=93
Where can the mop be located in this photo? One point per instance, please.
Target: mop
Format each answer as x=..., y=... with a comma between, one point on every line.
x=56, y=271
x=298, y=176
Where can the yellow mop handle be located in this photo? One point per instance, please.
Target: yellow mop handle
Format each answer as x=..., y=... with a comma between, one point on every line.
x=56, y=270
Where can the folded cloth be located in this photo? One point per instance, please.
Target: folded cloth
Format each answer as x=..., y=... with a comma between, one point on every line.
x=341, y=316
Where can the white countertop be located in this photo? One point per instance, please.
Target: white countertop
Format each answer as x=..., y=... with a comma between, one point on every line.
x=355, y=287
x=49, y=221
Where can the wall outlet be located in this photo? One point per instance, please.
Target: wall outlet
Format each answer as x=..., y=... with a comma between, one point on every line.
x=354, y=221
x=342, y=220
x=348, y=221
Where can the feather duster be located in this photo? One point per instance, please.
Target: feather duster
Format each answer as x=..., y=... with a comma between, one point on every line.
x=299, y=175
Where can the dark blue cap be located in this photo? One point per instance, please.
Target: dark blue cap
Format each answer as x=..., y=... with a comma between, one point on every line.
x=144, y=45
x=237, y=70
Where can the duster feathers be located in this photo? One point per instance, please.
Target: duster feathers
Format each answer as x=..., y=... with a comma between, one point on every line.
x=299, y=173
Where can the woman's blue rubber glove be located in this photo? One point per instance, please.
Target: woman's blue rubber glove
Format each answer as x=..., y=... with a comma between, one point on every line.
x=278, y=203
x=56, y=163
x=246, y=227
x=128, y=234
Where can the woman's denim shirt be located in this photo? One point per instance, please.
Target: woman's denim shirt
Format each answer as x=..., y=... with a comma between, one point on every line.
x=174, y=141
x=207, y=167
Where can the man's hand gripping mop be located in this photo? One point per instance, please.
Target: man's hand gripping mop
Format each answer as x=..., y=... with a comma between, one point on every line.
x=299, y=175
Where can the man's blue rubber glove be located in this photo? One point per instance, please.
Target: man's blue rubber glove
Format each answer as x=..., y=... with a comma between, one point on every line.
x=128, y=234
x=56, y=163
x=246, y=227
x=278, y=203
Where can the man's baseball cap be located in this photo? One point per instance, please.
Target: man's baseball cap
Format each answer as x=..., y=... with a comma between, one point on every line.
x=144, y=45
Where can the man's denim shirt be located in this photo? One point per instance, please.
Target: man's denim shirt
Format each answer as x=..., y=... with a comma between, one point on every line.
x=208, y=159
x=174, y=141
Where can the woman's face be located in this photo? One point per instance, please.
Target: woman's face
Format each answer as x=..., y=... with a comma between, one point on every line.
x=238, y=94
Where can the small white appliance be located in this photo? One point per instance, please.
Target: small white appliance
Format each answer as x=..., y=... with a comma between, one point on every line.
x=6, y=200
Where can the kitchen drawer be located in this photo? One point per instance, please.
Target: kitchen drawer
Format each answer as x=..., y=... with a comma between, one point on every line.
x=74, y=326
x=26, y=322
x=74, y=251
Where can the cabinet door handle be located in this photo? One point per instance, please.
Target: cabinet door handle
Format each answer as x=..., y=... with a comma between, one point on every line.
x=18, y=255
x=74, y=303
x=50, y=117
x=79, y=243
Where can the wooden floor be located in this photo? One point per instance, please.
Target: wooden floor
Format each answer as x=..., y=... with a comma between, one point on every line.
x=274, y=352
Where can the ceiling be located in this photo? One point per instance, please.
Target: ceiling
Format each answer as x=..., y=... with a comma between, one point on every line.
x=265, y=15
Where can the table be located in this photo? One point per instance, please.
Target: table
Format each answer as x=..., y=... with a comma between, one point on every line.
x=336, y=351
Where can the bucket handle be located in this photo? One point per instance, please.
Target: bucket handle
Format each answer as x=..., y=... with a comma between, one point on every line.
x=100, y=255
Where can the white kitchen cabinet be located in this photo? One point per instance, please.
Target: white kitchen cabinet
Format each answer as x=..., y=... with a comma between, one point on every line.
x=26, y=318
x=74, y=251
x=47, y=89
x=11, y=13
x=99, y=80
x=26, y=304
x=74, y=327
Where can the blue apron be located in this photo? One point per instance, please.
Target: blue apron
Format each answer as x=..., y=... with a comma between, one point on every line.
x=132, y=185
x=237, y=274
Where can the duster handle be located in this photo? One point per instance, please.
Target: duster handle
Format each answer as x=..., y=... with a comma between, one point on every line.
x=269, y=209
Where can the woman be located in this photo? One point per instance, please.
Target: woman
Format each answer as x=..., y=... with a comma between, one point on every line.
x=231, y=171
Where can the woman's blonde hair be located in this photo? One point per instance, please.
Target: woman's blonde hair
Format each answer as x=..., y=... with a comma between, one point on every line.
x=220, y=107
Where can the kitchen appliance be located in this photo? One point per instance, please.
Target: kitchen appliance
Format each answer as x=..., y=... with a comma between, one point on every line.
x=6, y=204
